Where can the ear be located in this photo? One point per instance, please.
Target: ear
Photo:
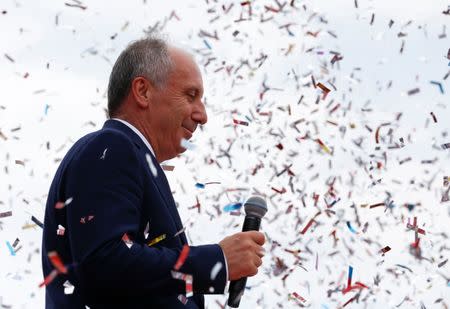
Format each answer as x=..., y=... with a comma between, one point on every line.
x=141, y=90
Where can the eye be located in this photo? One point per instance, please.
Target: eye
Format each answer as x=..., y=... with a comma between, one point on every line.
x=192, y=95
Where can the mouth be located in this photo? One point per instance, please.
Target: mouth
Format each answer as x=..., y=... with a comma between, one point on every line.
x=189, y=132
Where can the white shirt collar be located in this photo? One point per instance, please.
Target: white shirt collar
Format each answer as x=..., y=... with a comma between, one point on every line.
x=135, y=130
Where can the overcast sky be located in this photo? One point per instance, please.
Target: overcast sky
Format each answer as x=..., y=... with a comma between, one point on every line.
x=56, y=60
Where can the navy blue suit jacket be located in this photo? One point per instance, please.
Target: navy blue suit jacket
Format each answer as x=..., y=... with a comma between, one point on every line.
x=114, y=193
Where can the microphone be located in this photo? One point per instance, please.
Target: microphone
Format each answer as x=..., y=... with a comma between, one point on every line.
x=255, y=209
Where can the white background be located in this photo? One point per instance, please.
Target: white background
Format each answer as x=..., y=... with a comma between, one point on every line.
x=68, y=63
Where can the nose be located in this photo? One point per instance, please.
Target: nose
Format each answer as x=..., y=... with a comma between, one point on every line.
x=199, y=114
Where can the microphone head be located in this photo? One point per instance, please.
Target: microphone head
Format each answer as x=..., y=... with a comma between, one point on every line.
x=255, y=206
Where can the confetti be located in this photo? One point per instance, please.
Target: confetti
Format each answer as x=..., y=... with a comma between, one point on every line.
x=202, y=185
x=179, y=232
x=307, y=226
x=57, y=262
x=61, y=230
x=68, y=288
x=442, y=263
x=357, y=285
x=215, y=270
x=5, y=214
x=126, y=239
x=187, y=279
x=413, y=91
x=49, y=278
x=296, y=296
x=445, y=146
x=168, y=168
x=183, y=299
x=434, y=117
x=341, y=99
x=351, y=228
x=151, y=165
x=104, y=154
x=240, y=122
x=11, y=249
x=232, y=207
x=324, y=89
x=187, y=144
x=33, y=218
x=157, y=240
x=83, y=220
x=323, y=146
x=441, y=88
x=60, y=205
x=182, y=258
x=385, y=249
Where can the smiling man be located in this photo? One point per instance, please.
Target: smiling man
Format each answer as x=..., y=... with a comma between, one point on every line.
x=120, y=200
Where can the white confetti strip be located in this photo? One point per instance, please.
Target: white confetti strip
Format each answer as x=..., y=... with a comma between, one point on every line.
x=215, y=270
x=68, y=287
x=151, y=165
x=187, y=144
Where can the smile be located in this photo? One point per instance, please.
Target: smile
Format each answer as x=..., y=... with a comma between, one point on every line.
x=189, y=132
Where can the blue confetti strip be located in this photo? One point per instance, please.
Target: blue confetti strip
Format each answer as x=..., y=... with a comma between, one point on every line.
x=200, y=185
x=351, y=228
x=232, y=207
x=11, y=249
x=207, y=44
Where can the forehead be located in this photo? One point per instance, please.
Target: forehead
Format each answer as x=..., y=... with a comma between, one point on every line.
x=186, y=72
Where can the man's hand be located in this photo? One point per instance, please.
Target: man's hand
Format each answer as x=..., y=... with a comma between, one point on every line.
x=243, y=252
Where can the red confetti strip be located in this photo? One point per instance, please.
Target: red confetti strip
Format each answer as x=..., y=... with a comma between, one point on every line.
x=187, y=279
x=182, y=258
x=57, y=262
x=244, y=123
x=305, y=229
x=168, y=168
x=308, y=225
x=358, y=285
x=298, y=297
x=349, y=301
x=324, y=89
x=49, y=278
x=377, y=135
x=385, y=249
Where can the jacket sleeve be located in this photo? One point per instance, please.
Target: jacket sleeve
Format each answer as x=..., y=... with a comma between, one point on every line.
x=105, y=181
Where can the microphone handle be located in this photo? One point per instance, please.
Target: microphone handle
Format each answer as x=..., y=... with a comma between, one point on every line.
x=237, y=287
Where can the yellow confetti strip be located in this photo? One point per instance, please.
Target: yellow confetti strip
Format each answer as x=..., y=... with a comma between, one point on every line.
x=156, y=240
x=28, y=226
x=323, y=146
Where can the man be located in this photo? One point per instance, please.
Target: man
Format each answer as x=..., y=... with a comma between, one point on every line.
x=119, y=230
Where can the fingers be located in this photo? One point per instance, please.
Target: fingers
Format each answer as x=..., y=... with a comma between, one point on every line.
x=257, y=237
x=260, y=252
x=258, y=261
x=243, y=252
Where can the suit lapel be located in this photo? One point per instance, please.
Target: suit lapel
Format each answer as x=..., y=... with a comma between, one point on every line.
x=164, y=188
x=160, y=180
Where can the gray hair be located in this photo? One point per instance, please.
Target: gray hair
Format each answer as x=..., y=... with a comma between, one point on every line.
x=148, y=57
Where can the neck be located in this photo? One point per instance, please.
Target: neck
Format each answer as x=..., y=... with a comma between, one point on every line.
x=145, y=130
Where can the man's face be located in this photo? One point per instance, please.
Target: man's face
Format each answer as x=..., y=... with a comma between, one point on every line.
x=177, y=108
